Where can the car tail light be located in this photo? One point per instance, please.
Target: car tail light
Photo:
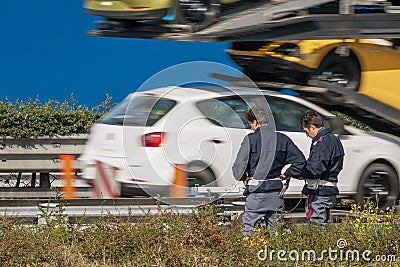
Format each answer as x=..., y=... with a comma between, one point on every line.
x=138, y=7
x=153, y=139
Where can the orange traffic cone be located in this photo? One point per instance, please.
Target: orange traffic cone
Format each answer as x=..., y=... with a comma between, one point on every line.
x=67, y=175
x=178, y=187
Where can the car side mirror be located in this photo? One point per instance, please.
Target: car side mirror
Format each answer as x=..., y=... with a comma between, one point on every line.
x=337, y=125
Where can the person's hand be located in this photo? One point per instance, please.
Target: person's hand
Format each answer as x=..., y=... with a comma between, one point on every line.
x=249, y=178
x=283, y=176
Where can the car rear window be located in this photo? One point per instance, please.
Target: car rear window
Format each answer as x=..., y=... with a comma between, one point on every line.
x=138, y=111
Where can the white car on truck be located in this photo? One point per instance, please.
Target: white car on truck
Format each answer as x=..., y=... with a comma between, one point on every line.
x=145, y=137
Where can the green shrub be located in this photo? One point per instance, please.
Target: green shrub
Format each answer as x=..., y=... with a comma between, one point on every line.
x=199, y=239
x=32, y=118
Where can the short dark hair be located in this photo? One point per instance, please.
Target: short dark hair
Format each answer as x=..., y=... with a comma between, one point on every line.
x=259, y=114
x=311, y=117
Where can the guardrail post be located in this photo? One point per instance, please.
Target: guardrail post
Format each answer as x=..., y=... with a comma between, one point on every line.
x=18, y=179
x=33, y=179
x=44, y=180
x=67, y=171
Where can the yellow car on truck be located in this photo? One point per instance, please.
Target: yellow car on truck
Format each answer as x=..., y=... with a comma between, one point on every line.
x=368, y=66
x=198, y=13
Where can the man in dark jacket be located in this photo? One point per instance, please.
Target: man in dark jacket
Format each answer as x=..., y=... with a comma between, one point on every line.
x=259, y=163
x=322, y=168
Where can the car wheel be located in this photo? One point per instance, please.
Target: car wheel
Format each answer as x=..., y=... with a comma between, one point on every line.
x=200, y=177
x=197, y=13
x=344, y=70
x=378, y=182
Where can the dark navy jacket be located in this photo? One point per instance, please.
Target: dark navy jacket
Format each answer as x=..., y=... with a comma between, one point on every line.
x=325, y=162
x=262, y=155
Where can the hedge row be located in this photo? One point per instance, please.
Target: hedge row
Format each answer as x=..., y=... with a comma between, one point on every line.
x=32, y=118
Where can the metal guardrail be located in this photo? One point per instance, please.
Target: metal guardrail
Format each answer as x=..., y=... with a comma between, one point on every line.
x=32, y=211
x=40, y=193
x=38, y=154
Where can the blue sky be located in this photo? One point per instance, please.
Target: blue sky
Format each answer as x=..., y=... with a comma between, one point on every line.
x=45, y=52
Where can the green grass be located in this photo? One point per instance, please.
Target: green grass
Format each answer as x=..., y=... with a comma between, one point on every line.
x=200, y=239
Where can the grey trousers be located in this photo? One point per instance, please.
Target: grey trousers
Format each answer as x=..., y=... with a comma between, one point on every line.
x=318, y=209
x=258, y=205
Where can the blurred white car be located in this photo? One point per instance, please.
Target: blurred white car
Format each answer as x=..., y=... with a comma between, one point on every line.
x=148, y=134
